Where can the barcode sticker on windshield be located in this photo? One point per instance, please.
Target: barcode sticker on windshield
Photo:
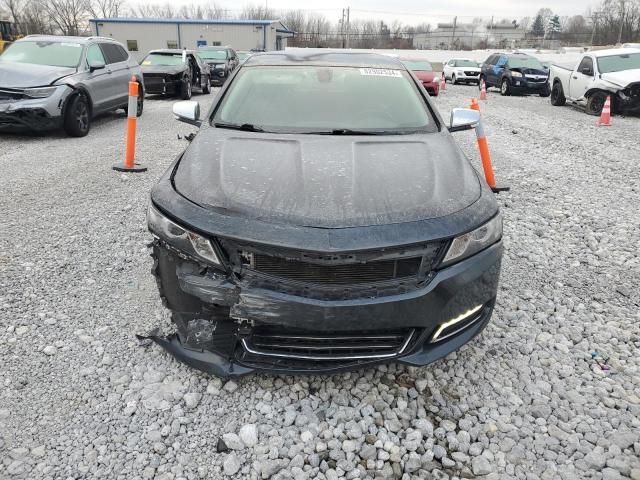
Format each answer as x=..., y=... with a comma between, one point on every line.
x=76, y=45
x=380, y=72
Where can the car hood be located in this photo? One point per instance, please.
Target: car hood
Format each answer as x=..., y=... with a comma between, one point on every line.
x=624, y=78
x=168, y=69
x=327, y=181
x=24, y=75
x=467, y=69
x=425, y=76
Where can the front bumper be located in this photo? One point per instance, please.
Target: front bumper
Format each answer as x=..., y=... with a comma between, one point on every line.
x=467, y=77
x=217, y=315
x=34, y=114
x=525, y=86
x=162, y=85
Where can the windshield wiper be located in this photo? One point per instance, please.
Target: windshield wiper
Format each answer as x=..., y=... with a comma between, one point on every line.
x=247, y=127
x=345, y=131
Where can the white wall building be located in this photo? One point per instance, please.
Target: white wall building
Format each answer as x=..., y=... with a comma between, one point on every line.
x=139, y=35
x=470, y=36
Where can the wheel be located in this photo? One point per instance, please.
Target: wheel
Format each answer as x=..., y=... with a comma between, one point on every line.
x=206, y=89
x=77, y=116
x=546, y=91
x=453, y=79
x=185, y=89
x=480, y=80
x=595, y=103
x=140, y=103
x=557, y=95
x=505, y=88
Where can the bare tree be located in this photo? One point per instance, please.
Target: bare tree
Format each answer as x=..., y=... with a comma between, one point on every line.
x=257, y=12
x=34, y=19
x=15, y=8
x=105, y=8
x=69, y=16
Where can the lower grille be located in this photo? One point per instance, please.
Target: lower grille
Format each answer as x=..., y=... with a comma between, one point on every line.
x=304, y=345
x=343, y=274
x=10, y=94
x=472, y=74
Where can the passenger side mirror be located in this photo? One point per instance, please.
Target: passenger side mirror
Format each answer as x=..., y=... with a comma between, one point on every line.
x=463, y=119
x=96, y=65
x=187, y=112
x=587, y=71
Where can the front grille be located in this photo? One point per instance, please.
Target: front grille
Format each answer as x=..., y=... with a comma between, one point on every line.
x=10, y=94
x=304, y=345
x=472, y=74
x=341, y=274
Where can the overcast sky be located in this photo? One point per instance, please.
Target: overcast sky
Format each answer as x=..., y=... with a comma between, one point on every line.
x=417, y=11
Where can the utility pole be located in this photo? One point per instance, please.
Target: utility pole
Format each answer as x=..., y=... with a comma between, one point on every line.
x=594, y=19
x=453, y=33
x=342, y=27
x=348, y=26
x=622, y=11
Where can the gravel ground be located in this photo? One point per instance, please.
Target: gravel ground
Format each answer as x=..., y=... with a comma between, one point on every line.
x=79, y=398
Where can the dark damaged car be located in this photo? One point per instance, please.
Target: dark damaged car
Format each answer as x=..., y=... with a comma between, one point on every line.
x=49, y=82
x=323, y=218
x=175, y=72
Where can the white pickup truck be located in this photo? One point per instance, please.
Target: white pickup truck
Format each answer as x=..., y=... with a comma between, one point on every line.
x=598, y=74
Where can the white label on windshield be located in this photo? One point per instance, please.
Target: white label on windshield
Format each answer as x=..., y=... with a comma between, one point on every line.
x=76, y=45
x=380, y=72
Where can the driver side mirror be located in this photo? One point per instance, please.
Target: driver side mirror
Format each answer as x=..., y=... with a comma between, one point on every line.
x=463, y=119
x=96, y=65
x=188, y=112
x=587, y=71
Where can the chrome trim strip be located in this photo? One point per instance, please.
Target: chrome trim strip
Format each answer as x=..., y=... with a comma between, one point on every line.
x=443, y=326
x=331, y=357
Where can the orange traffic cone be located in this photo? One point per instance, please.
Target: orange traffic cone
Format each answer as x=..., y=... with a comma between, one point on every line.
x=483, y=92
x=443, y=83
x=605, y=115
x=474, y=105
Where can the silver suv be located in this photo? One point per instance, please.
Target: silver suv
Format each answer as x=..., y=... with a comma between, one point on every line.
x=48, y=82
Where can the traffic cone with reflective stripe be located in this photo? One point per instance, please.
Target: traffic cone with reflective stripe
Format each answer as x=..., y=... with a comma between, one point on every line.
x=443, y=83
x=605, y=115
x=483, y=91
x=132, y=119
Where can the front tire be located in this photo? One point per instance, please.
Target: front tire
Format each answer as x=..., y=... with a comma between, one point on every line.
x=186, y=90
x=453, y=80
x=595, y=103
x=505, y=88
x=77, y=117
x=557, y=95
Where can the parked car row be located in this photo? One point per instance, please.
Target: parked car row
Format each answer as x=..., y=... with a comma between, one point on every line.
x=49, y=82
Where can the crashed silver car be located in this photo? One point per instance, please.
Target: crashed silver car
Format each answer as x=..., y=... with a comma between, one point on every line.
x=50, y=82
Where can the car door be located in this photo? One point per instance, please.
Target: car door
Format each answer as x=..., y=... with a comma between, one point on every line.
x=487, y=69
x=448, y=69
x=582, y=79
x=498, y=69
x=98, y=82
x=117, y=61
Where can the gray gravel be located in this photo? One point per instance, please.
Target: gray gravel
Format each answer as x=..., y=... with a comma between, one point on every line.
x=79, y=398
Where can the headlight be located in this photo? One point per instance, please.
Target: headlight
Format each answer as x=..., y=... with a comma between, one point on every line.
x=466, y=245
x=188, y=242
x=516, y=74
x=460, y=72
x=42, y=92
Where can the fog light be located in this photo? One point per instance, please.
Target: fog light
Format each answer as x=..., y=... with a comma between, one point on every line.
x=455, y=325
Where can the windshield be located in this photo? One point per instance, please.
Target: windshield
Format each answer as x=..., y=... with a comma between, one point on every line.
x=466, y=63
x=310, y=99
x=618, y=63
x=56, y=54
x=525, y=62
x=213, y=54
x=168, y=59
x=419, y=66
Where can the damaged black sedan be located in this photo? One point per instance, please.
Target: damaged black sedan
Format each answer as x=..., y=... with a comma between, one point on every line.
x=323, y=218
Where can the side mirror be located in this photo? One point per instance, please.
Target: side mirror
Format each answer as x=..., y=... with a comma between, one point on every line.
x=96, y=65
x=187, y=112
x=463, y=119
x=587, y=71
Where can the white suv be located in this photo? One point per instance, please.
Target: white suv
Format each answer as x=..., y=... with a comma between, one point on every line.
x=462, y=70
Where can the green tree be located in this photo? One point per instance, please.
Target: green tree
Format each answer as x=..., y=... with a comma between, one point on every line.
x=537, y=29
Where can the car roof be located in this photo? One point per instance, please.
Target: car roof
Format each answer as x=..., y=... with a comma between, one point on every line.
x=172, y=51
x=66, y=38
x=323, y=57
x=613, y=51
x=214, y=47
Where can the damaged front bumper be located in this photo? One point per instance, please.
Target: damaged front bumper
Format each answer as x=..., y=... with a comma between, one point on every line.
x=20, y=113
x=230, y=324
